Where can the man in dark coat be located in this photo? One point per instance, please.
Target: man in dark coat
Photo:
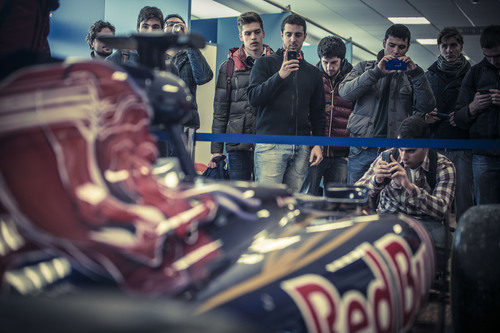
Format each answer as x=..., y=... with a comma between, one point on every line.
x=232, y=112
x=478, y=108
x=445, y=76
x=334, y=66
x=288, y=95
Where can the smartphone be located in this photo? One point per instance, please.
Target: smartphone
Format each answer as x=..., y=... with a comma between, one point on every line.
x=395, y=64
x=292, y=55
x=443, y=115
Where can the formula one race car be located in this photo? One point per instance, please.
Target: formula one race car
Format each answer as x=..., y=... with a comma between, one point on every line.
x=83, y=209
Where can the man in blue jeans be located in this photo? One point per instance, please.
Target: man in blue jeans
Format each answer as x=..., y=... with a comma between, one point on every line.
x=384, y=97
x=478, y=110
x=288, y=95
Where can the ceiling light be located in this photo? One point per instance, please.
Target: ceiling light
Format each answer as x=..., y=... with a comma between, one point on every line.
x=427, y=41
x=467, y=57
x=409, y=20
x=211, y=9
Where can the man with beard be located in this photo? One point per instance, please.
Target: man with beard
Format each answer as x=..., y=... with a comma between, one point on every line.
x=445, y=76
x=418, y=182
x=334, y=66
x=99, y=49
x=288, y=94
x=384, y=96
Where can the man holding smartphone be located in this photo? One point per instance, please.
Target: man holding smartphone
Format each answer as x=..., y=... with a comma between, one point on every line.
x=288, y=96
x=403, y=184
x=445, y=76
x=478, y=111
x=385, y=91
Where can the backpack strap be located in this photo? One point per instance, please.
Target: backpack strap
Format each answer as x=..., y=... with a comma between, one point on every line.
x=229, y=75
x=431, y=175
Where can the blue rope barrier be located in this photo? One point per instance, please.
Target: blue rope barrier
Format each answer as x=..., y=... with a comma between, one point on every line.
x=345, y=142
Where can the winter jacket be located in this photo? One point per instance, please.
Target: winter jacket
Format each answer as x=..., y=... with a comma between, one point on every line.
x=337, y=110
x=446, y=88
x=234, y=115
x=485, y=124
x=291, y=106
x=410, y=93
x=194, y=71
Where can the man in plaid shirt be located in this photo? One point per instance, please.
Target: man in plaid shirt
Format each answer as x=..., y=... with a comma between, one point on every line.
x=402, y=184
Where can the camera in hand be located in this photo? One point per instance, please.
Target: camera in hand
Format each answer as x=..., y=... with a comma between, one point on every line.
x=484, y=91
x=395, y=64
x=177, y=29
x=443, y=115
x=292, y=55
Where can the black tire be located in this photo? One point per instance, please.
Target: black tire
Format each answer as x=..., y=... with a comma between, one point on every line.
x=475, y=270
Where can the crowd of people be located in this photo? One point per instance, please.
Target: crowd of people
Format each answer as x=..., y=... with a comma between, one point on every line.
x=261, y=91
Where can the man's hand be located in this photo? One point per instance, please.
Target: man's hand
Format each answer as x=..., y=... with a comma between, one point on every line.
x=452, y=119
x=288, y=66
x=381, y=170
x=212, y=164
x=431, y=117
x=398, y=174
x=495, y=96
x=410, y=65
x=382, y=62
x=316, y=156
x=479, y=102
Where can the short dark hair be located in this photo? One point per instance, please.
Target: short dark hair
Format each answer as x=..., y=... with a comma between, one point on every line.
x=490, y=37
x=294, y=19
x=95, y=29
x=330, y=47
x=247, y=18
x=174, y=15
x=398, y=31
x=414, y=127
x=147, y=13
x=450, y=32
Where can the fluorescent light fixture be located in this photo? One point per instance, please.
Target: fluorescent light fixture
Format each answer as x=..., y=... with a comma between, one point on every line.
x=427, y=41
x=210, y=9
x=306, y=44
x=409, y=20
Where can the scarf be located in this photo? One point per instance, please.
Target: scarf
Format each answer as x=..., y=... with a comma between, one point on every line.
x=454, y=68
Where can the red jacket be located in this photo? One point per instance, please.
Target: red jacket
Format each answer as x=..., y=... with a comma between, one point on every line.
x=337, y=110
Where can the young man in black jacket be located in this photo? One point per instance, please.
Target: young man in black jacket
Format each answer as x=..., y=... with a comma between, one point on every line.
x=478, y=109
x=232, y=112
x=288, y=94
x=445, y=77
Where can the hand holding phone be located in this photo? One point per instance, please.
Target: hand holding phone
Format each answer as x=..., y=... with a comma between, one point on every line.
x=288, y=65
x=395, y=65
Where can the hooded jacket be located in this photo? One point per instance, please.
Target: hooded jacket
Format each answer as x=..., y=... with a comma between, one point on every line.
x=337, y=110
x=236, y=115
x=410, y=93
x=291, y=106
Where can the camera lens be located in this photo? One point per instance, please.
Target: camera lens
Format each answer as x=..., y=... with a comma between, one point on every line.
x=177, y=28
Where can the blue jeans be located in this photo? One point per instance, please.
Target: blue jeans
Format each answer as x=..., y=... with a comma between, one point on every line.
x=331, y=169
x=464, y=191
x=240, y=165
x=277, y=164
x=480, y=165
x=359, y=162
